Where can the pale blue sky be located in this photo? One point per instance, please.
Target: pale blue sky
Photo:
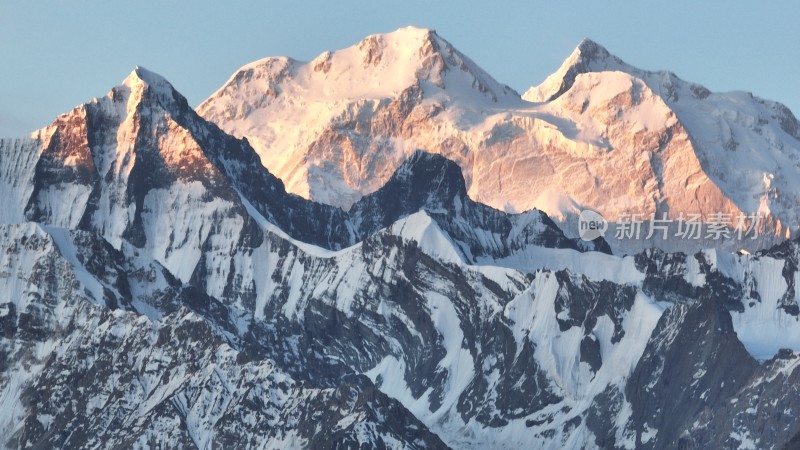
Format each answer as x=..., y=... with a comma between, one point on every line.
x=57, y=54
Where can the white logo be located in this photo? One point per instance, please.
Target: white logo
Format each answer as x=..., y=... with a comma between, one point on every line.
x=591, y=225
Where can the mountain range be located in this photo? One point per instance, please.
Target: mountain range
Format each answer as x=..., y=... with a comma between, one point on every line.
x=597, y=134
x=375, y=250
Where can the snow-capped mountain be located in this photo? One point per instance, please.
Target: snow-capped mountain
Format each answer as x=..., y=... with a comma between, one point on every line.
x=597, y=134
x=161, y=288
x=332, y=128
x=478, y=355
x=138, y=161
x=102, y=348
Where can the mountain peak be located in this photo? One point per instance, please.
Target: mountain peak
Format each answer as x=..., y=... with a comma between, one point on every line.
x=429, y=172
x=588, y=49
x=418, y=52
x=142, y=76
x=380, y=66
x=588, y=56
x=142, y=83
x=409, y=34
x=411, y=38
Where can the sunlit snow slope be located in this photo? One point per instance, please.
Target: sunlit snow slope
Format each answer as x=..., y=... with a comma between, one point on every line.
x=597, y=134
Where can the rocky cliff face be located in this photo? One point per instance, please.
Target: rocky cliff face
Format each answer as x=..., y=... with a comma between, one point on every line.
x=390, y=337
x=102, y=348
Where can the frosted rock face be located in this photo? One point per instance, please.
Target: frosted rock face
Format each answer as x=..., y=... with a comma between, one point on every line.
x=138, y=166
x=597, y=134
x=393, y=340
x=101, y=348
